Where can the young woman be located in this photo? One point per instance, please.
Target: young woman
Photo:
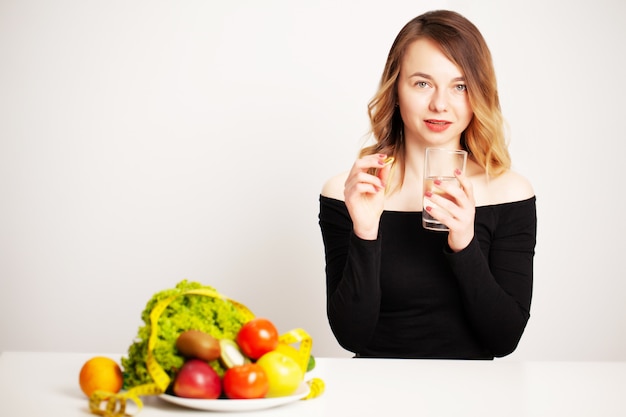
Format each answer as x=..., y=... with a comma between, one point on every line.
x=395, y=289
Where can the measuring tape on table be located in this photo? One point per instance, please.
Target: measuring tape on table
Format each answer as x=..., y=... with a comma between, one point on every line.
x=115, y=404
x=300, y=336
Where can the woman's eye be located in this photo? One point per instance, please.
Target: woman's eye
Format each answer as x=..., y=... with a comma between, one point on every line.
x=461, y=88
x=421, y=84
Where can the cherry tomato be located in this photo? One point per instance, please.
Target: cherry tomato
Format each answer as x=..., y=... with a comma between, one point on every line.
x=257, y=337
x=245, y=381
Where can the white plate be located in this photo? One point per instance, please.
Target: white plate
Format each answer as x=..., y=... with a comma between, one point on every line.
x=238, y=405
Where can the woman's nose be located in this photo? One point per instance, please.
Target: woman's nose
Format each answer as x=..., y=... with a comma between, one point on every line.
x=438, y=102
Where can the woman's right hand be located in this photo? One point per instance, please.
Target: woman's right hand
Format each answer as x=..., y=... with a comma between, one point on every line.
x=364, y=194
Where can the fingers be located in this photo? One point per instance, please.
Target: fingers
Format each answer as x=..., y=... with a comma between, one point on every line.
x=362, y=181
x=466, y=185
x=383, y=173
x=452, y=203
x=365, y=194
x=448, y=194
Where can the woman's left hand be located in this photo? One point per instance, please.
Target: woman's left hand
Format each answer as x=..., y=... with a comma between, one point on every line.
x=457, y=210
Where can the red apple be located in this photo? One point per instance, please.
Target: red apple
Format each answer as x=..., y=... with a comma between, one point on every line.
x=196, y=379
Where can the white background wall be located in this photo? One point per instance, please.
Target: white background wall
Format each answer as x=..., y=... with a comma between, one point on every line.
x=143, y=142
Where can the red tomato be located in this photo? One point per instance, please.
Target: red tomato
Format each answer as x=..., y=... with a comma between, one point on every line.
x=245, y=381
x=257, y=337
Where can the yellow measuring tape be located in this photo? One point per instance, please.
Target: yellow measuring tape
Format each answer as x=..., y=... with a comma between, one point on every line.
x=115, y=404
x=316, y=385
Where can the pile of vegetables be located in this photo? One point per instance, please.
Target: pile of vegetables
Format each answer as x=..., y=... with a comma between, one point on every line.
x=258, y=364
x=218, y=317
x=198, y=344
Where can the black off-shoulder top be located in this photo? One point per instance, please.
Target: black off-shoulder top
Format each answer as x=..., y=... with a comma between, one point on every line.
x=407, y=295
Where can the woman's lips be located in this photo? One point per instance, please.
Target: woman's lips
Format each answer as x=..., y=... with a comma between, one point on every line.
x=437, y=125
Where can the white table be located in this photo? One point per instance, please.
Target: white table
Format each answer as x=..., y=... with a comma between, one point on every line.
x=46, y=384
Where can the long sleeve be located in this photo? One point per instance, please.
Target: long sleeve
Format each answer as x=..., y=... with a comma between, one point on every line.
x=495, y=274
x=352, y=277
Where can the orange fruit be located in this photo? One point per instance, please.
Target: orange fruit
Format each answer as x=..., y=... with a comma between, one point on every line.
x=100, y=374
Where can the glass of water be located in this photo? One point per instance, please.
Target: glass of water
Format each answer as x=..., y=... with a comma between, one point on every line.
x=440, y=164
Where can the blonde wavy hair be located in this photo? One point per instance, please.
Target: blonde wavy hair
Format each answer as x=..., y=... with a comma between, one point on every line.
x=462, y=43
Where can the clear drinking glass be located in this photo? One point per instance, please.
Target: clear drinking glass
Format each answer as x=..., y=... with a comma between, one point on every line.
x=440, y=164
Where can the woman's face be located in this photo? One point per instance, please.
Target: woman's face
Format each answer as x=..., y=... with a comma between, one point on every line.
x=432, y=96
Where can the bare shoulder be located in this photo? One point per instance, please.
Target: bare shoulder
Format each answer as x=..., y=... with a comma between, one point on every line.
x=508, y=187
x=511, y=186
x=334, y=187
